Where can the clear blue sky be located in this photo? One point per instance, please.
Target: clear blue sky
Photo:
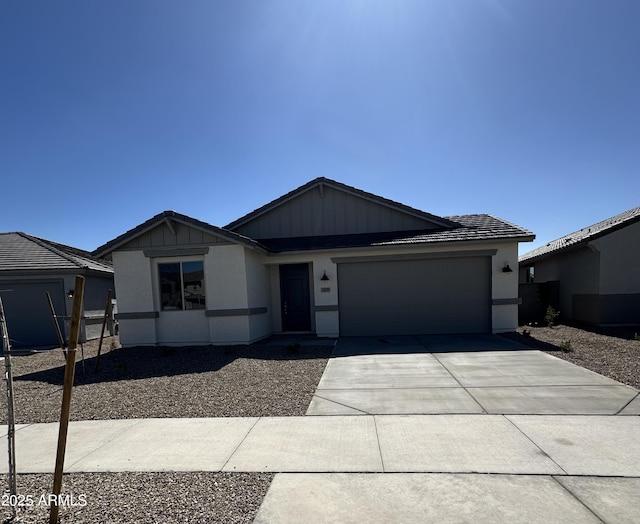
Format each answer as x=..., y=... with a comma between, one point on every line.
x=112, y=111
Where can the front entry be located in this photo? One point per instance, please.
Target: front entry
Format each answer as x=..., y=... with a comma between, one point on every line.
x=295, y=303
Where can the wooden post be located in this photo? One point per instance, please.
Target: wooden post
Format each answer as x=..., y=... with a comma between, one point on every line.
x=65, y=412
x=107, y=308
x=11, y=420
x=55, y=322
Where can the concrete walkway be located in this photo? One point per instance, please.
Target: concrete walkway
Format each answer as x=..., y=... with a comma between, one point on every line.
x=496, y=436
x=387, y=468
x=411, y=375
x=449, y=455
x=511, y=444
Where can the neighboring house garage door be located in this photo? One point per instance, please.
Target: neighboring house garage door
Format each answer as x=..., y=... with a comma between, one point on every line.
x=28, y=314
x=432, y=295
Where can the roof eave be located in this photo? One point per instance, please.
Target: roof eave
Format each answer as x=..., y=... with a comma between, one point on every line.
x=559, y=251
x=55, y=271
x=583, y=241
x=389, y=245
x=167, y=216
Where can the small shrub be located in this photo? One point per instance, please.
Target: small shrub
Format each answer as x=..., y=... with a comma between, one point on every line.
x=121, y=368
x=293, y=348
x=550, y=316
x=526, y=332
x=636, y=336
x=566, y=346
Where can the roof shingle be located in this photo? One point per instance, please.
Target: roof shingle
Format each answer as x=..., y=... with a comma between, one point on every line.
x=22, y=252
x=470, y=228
x=583, y=235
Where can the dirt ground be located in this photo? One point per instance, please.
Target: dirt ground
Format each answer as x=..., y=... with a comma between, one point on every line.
x=612, y=352
x=258, y=380
x=153, y=382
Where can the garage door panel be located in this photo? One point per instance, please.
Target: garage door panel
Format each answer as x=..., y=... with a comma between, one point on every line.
x=449, y=295
x=28, y=315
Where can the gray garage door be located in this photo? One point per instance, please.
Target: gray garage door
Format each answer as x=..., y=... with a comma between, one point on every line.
x=437, y=295
x=28, y=315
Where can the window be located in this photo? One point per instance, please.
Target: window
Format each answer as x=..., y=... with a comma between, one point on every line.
x=182, y=286
x=530, y=273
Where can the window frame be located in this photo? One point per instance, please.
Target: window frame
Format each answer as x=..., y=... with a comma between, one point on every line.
x=182, y=288
x=530, y=273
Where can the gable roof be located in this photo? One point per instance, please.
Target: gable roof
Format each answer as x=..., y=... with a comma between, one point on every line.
x=583, y=235
x=22, y=252
x=322, y=181
x=167, y=217
x=470, y=228
x=461, y=228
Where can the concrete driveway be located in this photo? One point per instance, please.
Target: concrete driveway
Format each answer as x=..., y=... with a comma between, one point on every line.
x=447, y=410
x=487, y=433
x=465, y=374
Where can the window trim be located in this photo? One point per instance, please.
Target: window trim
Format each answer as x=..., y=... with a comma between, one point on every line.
x=530, y=273
x=183, y=302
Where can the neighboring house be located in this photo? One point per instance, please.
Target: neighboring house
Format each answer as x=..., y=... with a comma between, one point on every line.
x=325, y=258
x=29, y=268
x=597, y=270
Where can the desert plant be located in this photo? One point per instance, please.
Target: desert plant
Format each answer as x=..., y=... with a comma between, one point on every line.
x=550, y=316
x=566, y=346
x=526, y=332
x=293, y=348
x=166, y=352
x=636, y=336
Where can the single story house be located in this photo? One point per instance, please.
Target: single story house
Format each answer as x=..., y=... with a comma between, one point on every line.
x=30, y=267
x=596, y=269
x=325, y=258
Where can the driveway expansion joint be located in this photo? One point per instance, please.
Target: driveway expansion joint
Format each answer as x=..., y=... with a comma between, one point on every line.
x=542, y=451
x=239, y=444
x=628, y=403
x=578, y=499
x=105, y=443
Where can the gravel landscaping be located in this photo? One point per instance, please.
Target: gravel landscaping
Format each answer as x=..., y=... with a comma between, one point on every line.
x=612, y=352
x=146, y=497
x=149, y=382
x=257, y=380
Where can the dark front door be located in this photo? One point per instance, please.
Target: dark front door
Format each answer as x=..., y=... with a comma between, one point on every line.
x=294, y=296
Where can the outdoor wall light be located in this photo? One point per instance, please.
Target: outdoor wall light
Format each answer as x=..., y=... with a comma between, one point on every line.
x=506, y=268
x=70, y=293
x=324, y=276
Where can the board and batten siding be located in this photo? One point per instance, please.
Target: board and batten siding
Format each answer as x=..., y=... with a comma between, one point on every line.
x=331, y=213
x=182, y=235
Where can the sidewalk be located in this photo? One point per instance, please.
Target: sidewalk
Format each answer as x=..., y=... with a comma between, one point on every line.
x=513, y=444
x=400, y=434
x=524, y=412
x=383, y=468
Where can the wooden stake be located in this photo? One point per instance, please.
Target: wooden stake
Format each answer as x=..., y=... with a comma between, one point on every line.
x=107, y=308
x=11, y=422
x=55, y=323
x=65, y=412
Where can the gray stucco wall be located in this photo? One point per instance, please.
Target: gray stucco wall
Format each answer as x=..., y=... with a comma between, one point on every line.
x=578, y=273
x=28, y=310
x=95, y=297
x=619, y=260
x=599, y=282
x=610, y=309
